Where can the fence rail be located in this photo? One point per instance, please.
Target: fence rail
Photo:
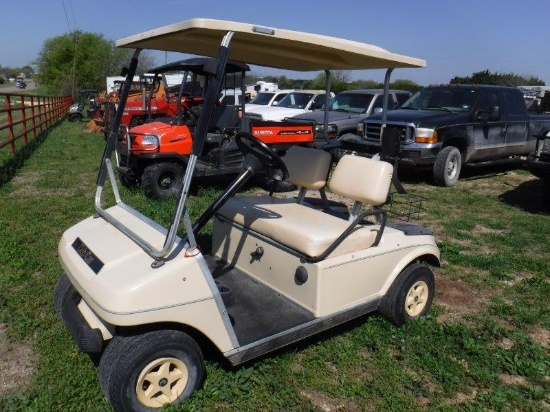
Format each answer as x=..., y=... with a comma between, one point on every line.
x=24, y=117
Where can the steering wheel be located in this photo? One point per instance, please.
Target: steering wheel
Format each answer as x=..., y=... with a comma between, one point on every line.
x=249, y=144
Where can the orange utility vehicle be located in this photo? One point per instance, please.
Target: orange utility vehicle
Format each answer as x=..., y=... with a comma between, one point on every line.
x=148, y=98
x=156, y=153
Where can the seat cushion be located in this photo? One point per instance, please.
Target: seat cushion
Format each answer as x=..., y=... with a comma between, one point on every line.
x=296, y=226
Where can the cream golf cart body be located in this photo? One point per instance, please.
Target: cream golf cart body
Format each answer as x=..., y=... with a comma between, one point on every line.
x=140, y=296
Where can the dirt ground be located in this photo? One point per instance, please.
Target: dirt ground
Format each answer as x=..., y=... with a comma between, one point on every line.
x=17, y=363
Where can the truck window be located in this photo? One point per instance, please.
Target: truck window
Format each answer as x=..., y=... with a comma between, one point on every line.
x=401, y=98
x=350, y=102
x=456, y=99
x=319, y=101
x=515, y=106
x=488, y=99
x=379, y=101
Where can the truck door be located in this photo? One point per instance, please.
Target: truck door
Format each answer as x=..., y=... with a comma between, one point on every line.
x=489, y=129
x=517, y=124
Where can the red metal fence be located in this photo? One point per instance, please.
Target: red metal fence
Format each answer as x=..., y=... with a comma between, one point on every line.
x=24, y=117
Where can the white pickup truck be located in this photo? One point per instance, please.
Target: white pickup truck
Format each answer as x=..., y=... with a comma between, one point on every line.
x=294, y=103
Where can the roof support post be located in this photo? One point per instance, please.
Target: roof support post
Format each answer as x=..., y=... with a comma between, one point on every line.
x=110, y=146
x=327, y=99
x=385, y=101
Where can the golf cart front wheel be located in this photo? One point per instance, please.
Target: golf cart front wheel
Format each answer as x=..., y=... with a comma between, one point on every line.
x=143, y=372
x=410, y=296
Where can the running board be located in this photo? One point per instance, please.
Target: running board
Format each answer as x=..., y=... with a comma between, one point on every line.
x=263, y=346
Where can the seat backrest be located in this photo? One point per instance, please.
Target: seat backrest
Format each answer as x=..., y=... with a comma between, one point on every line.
x=222, y=117
x=362, y=179
x=307, y=167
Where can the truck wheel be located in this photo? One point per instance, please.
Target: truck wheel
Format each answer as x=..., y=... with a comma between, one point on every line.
x=142, y=372
x=447, y=166
x=75, y=117
x=410, y=296
x=162, y=180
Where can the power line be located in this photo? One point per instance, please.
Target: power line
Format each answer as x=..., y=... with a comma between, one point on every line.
x=66, y=15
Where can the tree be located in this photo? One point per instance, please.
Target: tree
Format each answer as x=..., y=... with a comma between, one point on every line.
x=78, y=60
x=407, y=85
x=503, y=79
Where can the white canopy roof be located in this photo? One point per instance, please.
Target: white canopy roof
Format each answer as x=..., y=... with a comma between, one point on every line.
x=267, y=46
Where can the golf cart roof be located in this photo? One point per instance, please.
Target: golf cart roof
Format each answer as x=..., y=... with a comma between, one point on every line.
x=196, y=64
x=266, y=46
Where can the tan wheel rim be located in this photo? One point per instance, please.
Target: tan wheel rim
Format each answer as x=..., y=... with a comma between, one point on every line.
x=417, y=298
x=161, y=381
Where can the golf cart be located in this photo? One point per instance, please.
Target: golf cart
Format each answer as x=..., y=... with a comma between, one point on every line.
x=140, y=297
x=87, y=106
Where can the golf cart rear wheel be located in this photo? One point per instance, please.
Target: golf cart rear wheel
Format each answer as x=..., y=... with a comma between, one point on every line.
x=410, y=296
x=143, y=372
x=162, y=180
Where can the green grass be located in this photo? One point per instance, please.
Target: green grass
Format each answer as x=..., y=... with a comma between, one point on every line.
x=484, y=346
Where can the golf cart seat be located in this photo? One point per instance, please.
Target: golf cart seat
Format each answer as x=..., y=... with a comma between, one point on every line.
x=312, y=177
x=311, y=232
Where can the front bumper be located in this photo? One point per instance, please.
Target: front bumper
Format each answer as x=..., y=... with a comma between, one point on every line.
x=88, y=340
x=413, y=154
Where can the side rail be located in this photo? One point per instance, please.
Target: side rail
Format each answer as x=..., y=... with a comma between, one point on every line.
x=24, y=117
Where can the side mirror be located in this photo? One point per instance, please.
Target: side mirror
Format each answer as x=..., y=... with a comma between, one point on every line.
x=377, y=110
x=315, y=106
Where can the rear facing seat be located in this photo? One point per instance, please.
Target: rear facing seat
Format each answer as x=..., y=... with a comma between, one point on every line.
x=310, y=231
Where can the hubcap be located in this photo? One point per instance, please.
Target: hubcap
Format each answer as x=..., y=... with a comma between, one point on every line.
x=161, y=381
x=165, y=181
x=452, y=166
x=417, y=298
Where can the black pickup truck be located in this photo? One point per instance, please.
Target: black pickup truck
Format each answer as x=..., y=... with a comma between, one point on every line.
x=445, y=127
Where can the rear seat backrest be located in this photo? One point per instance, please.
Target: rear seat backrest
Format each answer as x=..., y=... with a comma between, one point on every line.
x=362, y=179
x=307, y=167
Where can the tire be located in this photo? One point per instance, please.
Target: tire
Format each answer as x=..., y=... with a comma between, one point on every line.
x=63, y=293
x=447, y=166
x=75, y=117
x=142, y=372
x=410, y=296
x=162, y=180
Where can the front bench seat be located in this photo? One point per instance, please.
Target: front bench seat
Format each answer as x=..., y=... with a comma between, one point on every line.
x=313, y=233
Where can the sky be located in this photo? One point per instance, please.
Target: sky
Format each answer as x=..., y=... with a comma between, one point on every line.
x=456, y=38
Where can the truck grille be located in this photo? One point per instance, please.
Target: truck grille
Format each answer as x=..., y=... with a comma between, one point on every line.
x=372, y=131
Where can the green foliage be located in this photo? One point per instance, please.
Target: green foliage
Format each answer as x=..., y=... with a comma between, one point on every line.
x=78, y=60
x=339, y=82
x=503, y=79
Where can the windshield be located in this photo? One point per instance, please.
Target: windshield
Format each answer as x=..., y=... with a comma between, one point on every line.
x=351, y=103
x=451, y=99
x=262, y=98
x=296, y=100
